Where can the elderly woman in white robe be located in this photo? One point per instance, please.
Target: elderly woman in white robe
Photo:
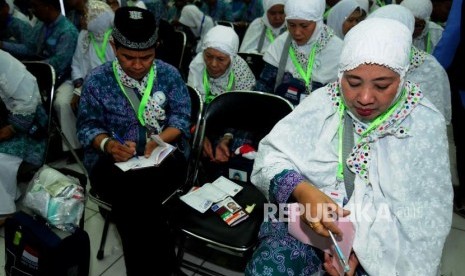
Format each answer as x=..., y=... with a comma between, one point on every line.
x=344, y=16
x=198, y=22
x=427, y=33
x=264, y=30
x=304, y=58
x=92, y=49
x=401, y=202
x=218, y=69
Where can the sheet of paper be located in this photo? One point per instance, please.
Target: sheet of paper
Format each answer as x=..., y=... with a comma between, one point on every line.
x=301, y=231
x=227, y=186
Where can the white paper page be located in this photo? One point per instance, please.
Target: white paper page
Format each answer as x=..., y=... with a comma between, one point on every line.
x=197, y=202
x=210, y=192
x=227, y=186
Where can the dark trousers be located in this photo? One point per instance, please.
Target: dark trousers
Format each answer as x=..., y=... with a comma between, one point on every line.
x=136, y=198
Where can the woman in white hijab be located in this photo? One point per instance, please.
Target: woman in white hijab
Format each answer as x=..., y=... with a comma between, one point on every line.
x=92, y=49
x=400, y=200
x=198, y=22
x=427, y=34
x=344, y=16
x=263, y=31
x=218, y=68
x=304, y=58
x=21, y=112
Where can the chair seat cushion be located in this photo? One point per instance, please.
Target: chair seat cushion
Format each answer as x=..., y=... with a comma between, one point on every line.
x=210, y=226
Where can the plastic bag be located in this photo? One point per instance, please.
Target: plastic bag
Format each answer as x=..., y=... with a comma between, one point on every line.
x=56, y=197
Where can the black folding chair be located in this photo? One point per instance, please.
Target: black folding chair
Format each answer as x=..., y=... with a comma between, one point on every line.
x=45, y=76
x=247, y=110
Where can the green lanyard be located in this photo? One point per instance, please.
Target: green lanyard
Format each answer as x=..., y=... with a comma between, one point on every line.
x=269, y=35
x=428, y=43
x=308, y=74
x=206, y=85
x=145, y=97
x=100, y=51
x=376, y=123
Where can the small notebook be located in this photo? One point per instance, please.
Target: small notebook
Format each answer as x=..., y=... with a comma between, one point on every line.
x=301, y=231
x=154, y=160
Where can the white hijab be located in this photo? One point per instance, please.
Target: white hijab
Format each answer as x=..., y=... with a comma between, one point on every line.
x=223, y=39
x=420, y=8
x=268, y=4
x=192, y=17
x=339, y=13
x=395, y=12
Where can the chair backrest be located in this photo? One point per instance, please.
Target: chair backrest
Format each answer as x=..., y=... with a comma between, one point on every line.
x=255, y=62
x=172, y=48
x=46, y=80
x=225, y=23
x=45, y=76
x=253, y=111
x=249, y=111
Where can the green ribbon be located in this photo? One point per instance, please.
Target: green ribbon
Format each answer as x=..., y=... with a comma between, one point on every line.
x=100, y=50
x=376, y=123
x=145, y=97
x=206, y=85
x=306, y=75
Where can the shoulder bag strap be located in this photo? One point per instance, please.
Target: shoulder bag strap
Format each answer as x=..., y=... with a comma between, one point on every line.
x=283, y=61
x=347, y=145
x=262, y=39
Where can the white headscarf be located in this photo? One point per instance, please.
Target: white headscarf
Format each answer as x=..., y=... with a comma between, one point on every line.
x=268, y=4
x=11, y=4
x=311, y=10
x=377, y=41
x=420, y=8
x=339, y=14
x=365, y=5
x=223, y=39
x=100, y=18
x=192, y=16
x=395, y=12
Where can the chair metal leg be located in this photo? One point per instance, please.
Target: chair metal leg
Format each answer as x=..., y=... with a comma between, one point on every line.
x=101, y=250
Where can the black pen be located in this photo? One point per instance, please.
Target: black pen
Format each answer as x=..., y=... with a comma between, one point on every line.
x=121, y=141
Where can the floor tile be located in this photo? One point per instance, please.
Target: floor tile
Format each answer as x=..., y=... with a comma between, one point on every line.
x=452, y=263
x=117, y=269
x=221, y=269
x=113, y=248
x=458, y=222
